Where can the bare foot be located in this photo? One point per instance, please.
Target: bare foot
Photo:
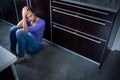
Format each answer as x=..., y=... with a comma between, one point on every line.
x=19, y=60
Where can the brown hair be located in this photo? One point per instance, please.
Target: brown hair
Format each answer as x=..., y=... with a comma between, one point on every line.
x=30, y=9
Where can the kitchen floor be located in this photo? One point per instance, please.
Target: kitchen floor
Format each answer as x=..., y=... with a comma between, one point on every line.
x=55, y=63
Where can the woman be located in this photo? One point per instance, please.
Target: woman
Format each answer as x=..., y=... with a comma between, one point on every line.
x=28, y=34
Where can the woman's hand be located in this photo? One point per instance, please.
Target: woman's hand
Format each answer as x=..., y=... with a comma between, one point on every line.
x=25, y=12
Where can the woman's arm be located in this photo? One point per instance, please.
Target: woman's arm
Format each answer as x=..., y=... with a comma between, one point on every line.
x=24, y=23
x=20, y=25
x=25, y=26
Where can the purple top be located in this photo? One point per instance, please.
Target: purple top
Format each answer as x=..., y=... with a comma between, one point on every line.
x=37, y=31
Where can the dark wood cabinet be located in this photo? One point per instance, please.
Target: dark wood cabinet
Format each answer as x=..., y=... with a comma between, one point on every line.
x=60, y=37
x=79, y=43
x=11, y=10
x=8, y=12
x=92, y=27
x=1, y=17
x=85, y=10
x=7, y=74
x=82, y=28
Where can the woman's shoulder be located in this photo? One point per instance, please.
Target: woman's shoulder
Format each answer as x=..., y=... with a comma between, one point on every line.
x=41, y=20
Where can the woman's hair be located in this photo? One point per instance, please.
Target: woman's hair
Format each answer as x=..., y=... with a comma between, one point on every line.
x=30, y=9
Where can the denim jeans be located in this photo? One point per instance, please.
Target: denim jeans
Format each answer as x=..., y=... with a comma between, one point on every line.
x=25, y=42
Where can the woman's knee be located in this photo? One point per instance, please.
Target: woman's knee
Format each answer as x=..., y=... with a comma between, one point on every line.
x=19, y=33
x=13, y=29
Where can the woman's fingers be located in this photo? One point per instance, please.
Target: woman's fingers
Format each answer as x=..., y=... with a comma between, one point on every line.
x=25, y=11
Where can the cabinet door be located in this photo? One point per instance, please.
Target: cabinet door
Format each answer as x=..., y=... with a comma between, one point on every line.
x=60, y=37
x=89, y=47
x=1, y=17
x=42, y=10
x=92, y=27
x=85, y=10
x=84, y=45
x=8, y=10
x=9, y=72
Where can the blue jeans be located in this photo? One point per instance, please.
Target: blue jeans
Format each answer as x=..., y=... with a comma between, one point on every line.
x=25, y=42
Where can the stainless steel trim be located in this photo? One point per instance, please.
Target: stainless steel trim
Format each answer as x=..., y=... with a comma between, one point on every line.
x=82, y=8
x=51, y=20
x=30, y=3
x=27, y=2
x=81, y=14
x=79, y=17
x=99, y=42
x=79, y=31
x=16, y=11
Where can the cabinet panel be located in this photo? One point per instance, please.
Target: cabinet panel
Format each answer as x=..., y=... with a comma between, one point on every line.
x=84, y=10
x=7, y=74
x=96, y=28
x=61, y=37
x=9, y=13
x=89, y=48
x=1, y=17
x=78, y=43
